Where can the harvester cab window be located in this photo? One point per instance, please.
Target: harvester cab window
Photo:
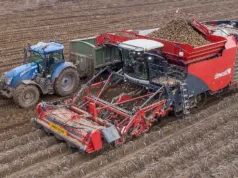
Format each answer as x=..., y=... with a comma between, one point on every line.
x=134, y=64
x=157, y=65
x=154, y=66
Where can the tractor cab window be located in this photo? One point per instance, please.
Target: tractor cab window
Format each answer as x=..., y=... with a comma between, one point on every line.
x=36, y=58
x=134, y=64
x=55, y=58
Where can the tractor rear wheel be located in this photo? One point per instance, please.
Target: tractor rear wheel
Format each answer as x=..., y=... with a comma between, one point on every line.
x=26, y=95
x=67, y=83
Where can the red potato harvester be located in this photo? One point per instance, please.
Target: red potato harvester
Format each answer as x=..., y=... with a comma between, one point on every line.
x=158, y=76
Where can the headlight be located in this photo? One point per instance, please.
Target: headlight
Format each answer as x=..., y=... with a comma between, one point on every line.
x=8, y=80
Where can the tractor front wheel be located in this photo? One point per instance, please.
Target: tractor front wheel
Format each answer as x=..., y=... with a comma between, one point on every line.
x=67, y=83
x=26, y=95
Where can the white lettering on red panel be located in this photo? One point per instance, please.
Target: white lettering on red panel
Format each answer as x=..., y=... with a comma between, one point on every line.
x=222, y=74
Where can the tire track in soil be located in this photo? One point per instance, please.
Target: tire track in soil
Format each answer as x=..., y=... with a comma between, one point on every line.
x=21, y=140
x=20, y=151
x=185, y=155
x=178, y=126
x=227, y=168
x=17, y=131
x=12, y=120
x=34, y=157
x=203, y=163
x=56, y=165
x=33, y=170
x=158, y=150
x=214, y=158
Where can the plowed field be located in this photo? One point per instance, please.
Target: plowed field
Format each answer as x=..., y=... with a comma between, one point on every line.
x=202, y=145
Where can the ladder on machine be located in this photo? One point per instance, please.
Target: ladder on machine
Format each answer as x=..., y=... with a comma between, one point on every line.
x=235, y=75
x=185, y=98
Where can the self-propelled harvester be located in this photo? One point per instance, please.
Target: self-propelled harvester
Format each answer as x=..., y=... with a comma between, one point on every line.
x=158, y=76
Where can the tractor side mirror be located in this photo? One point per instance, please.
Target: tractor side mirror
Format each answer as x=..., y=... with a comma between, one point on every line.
x=25, y=55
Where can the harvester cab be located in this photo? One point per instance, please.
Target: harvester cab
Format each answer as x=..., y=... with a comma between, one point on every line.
x=44, y=71
x=145, y=64
x=137, y=58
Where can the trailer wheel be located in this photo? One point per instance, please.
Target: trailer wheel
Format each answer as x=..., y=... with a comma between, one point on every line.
x=26, y=95
x=67, y=83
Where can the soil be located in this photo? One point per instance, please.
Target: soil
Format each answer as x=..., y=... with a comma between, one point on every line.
x=201, y=145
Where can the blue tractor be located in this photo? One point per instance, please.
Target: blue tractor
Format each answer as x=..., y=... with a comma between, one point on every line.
x=44, y=71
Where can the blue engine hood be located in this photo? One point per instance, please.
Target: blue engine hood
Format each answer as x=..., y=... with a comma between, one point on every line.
x=20, y=73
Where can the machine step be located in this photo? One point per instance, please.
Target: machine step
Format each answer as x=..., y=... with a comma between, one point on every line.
x=185, y=98
x=235, y=75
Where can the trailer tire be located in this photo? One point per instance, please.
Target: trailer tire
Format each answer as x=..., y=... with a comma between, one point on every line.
x=67, y=83
x=26, y=95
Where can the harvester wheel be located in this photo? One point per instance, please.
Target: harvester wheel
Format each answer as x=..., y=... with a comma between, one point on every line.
x=201, y=100
x=26, y=95
x=67, y=83
x=120, y=141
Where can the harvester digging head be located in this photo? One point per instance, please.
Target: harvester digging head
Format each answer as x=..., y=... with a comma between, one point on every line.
x=76, y=126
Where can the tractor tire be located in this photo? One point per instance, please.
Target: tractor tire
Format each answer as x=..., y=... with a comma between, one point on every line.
x=67, y=83
x=26, y=95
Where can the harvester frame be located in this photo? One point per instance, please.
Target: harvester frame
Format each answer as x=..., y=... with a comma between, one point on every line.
x=87, y=121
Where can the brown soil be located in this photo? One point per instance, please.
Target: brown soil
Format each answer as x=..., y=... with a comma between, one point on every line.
x=202, y=145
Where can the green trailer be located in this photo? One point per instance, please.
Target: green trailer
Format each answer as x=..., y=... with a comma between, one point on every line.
x=89, y=58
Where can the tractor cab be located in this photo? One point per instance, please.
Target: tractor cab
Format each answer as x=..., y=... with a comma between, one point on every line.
x=44, y=71
x=47, y=56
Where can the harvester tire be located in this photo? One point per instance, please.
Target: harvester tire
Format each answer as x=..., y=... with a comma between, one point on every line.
x=120, y=141
x=67, y=83
x=26, y=95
